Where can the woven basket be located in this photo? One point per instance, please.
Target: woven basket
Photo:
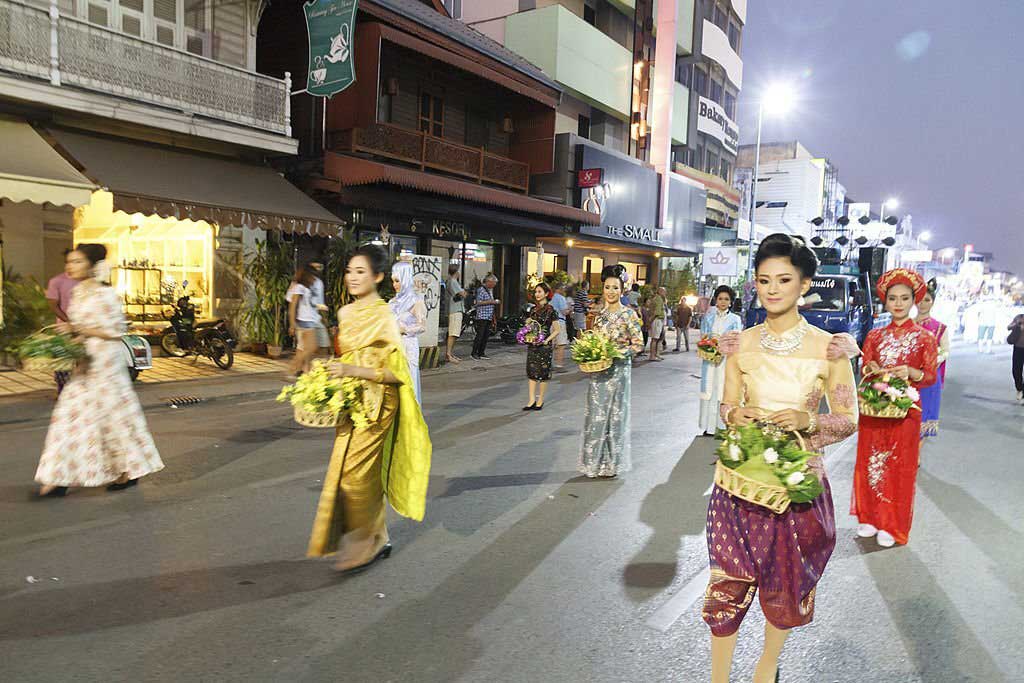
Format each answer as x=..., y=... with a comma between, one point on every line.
x=710, y=357
x=890, y=411
x=318, y=420
x=48, y=364
x=596, y=365
x=775, y=497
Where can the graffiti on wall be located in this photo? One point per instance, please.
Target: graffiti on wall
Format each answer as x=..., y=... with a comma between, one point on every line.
x=427, y=276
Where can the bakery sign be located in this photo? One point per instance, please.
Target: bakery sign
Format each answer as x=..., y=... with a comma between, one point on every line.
x=712, y=120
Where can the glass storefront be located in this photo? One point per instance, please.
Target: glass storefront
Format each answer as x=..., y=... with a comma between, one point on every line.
x=154, y=260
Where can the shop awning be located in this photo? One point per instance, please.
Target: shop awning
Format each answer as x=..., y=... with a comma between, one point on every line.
x=188, y=185
x=346, y=171
x=31, y=171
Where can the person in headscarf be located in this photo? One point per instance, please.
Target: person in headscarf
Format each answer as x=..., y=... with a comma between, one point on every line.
x=411, y=315
x=888, y=449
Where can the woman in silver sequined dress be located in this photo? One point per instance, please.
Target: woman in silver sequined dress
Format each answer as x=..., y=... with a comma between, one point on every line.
x=605, y=450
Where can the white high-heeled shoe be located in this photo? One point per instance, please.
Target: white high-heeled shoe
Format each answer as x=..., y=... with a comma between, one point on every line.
x=885, y=539
x=866, y=530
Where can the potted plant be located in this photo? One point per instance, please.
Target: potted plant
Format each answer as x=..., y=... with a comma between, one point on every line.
x=268, y=272
x=25, y=311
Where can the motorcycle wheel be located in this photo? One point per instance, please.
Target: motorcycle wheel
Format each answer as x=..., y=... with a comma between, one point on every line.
x=169, y=343
x=220, y=352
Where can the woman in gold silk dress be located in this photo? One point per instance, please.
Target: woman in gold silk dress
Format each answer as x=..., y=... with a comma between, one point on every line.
x=387, y=461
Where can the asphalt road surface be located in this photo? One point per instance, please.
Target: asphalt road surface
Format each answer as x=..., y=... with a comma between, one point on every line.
x=521, y=571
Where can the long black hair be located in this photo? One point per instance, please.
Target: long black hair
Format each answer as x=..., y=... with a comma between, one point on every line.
x=781, y=245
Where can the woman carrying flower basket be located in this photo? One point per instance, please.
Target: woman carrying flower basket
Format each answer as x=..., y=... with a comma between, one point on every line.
x=385, y=459
x=98, y=433
x=774, y=384
x=606, y=449
x=888, y=448
x=539, y=333
x=931, y=396
x=718, y=322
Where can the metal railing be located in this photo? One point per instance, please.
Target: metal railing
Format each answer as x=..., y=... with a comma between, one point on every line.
x=68, y=51
x=427, y=151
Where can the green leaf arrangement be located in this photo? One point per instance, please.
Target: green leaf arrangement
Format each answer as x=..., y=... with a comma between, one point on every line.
x=767, y=454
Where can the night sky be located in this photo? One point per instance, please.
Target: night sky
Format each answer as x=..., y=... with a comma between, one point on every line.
x=918, y=99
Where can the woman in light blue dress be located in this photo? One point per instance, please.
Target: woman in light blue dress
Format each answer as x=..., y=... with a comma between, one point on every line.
x=411, y=314
x=605, y=450
x=716, y=323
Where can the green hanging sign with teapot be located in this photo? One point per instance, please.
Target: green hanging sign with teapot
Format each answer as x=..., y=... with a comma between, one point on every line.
x=330, y=25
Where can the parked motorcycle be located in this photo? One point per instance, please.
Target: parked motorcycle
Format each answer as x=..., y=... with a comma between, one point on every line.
x=211, y=339
x=509, y=325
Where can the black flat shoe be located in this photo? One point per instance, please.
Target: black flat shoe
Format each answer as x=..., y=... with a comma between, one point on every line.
x=56, y=492
x=123, y=485
x=382, y=554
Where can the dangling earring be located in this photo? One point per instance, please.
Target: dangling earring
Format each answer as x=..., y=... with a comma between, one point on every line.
x=801, y=302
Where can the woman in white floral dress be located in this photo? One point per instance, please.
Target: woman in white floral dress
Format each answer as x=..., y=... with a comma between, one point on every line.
x=98, y=434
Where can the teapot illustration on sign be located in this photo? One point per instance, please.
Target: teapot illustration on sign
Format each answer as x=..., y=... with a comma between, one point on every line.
x=339, y=46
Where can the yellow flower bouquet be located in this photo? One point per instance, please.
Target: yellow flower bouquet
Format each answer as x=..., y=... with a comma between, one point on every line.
x=319, y=399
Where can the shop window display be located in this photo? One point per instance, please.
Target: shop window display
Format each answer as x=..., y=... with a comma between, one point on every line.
x=154, y=260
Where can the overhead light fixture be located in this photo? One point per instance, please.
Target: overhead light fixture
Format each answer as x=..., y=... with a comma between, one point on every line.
x=842, y=240
x=817, y=241
x=819, y=221
x=864, y=220
x=657, y=254
x=892, y=220
x=712, y=245
x=889, y=241
x=862, y=240
x=569, y=243
x=844, y=221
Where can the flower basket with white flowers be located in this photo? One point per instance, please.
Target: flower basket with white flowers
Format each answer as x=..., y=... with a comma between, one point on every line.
x=319, y=399
x=594, y=351
x=767, y=466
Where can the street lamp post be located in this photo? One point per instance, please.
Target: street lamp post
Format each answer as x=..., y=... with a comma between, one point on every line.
x=753, y=191
x=777, y=98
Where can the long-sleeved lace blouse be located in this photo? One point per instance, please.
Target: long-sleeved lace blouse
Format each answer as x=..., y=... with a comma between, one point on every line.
x=792, y=372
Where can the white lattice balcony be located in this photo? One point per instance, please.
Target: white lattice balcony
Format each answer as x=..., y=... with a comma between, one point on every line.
x=65, y=51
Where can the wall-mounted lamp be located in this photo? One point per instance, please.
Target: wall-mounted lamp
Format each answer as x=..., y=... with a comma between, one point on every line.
x=508, y=126
x=392, y=86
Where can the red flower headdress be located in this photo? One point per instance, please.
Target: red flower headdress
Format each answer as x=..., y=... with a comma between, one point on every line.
x=902, y=276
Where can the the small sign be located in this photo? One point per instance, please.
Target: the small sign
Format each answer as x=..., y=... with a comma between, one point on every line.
x=720, y=261
x=589, y=177
x=330, y=25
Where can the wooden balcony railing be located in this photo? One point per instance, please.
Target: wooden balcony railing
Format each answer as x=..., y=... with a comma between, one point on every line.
x=429, y=152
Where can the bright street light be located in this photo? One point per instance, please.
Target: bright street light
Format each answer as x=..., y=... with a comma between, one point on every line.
x=925, y=236
x=890, y=203
x=777, y=99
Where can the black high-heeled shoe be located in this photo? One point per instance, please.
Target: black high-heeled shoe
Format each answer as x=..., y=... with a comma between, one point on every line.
x=530, y=407
x=382, y=554
x=55, y=492
x=537, y=407
x=122, y=485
